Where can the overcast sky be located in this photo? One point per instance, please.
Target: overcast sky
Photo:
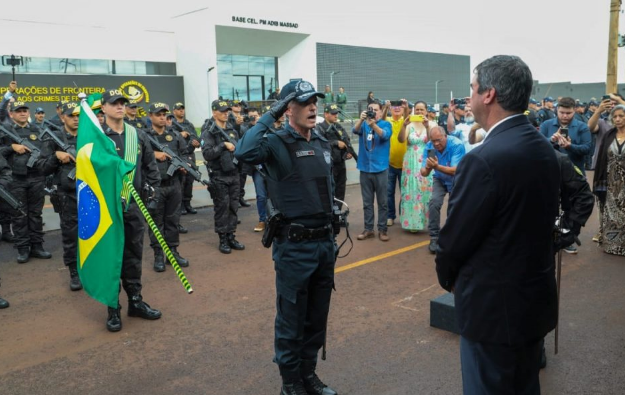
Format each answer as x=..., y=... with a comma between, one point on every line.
x=561, y=40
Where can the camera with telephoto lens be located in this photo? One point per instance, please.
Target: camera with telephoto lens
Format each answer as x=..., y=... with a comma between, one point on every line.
x=248, y=118
x=370, y=113
x=460, y=101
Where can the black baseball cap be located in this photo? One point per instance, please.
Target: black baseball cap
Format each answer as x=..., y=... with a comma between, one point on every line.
x=580, y=104
x=549, y=98
x=593, y=103
x=533, y=101
x=16, y=105
x=220, y=105
x=70, y=108
x=158, y=107
x=110, y=96
x=332, y=109
x=303, y=90
x=60, y=103
x=178, y=106
x=39, y=110
x=235, y=103
x=132, y=105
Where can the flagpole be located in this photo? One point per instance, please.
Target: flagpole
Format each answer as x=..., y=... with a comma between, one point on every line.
x=159, y=237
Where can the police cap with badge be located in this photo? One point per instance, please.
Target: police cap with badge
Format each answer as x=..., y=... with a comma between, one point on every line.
x=70, y=108
x=16, y=105
x=331, y=109
x=158, y=107
x=220, y=105
x=303, y=90
x=112, y=95
x=179, y=106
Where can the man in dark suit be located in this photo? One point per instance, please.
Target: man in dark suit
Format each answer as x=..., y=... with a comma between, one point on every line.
x=495, y=251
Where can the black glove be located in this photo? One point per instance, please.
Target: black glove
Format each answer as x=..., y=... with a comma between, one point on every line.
x=565, y=240
x=279, y=108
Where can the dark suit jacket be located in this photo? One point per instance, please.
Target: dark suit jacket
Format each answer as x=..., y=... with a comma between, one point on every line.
x=496, y=245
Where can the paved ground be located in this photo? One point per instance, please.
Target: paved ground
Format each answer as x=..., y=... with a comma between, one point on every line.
x=219, y=339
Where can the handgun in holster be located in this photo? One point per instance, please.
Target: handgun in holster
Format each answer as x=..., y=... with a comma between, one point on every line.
x=275, y=220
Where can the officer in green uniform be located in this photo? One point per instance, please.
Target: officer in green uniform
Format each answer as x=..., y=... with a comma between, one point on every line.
x=341, y=99
x=297, y=161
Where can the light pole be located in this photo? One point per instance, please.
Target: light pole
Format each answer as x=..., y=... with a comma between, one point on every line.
x=436, y=91
x=332, y=80
x=208, y=88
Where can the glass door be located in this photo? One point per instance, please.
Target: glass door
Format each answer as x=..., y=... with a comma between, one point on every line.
x=256, y=88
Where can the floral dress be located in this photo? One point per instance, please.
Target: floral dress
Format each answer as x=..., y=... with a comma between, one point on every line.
x=614, y=210
x=416, y=190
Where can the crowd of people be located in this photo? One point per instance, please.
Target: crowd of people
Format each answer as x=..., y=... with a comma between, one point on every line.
x=299, y=173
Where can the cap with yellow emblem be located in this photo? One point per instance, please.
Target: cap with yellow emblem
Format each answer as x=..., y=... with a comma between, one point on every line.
x=179, y=106
x=220, y=105
x=158, y=107
x=70, y=108
x=16, y=105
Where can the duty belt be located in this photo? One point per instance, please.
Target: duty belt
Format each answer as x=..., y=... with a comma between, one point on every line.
x=297, y=232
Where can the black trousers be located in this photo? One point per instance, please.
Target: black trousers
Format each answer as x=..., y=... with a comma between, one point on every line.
x=242, y=179
x=339, y=173
x=133, y=250
x=304, y=282
x=187, y=188
x=226, y=200
x=28, y=229
x=167, y=214
x=69, y=227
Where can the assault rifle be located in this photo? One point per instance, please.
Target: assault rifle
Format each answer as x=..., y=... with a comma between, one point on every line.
x=11, y=200
x=345, y=139
x=64, y=147
x=35, y=152
x=176, y=162
x=52, y=125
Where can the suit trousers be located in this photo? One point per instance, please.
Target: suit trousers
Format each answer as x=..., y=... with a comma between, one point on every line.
x=497, y=369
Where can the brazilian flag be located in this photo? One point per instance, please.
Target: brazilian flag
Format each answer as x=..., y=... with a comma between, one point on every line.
x=99, y=172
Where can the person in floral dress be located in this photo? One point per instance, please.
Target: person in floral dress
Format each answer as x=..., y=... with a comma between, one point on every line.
x=416, y=189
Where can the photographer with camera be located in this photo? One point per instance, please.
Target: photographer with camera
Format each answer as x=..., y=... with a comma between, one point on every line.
x=373, y=162
x=441, y=155
x=457, y=112
x=297, y=163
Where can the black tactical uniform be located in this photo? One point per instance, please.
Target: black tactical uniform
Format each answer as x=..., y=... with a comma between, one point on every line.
x=66, y=188
x=166, y=214
x=28, y=187
x=545, y=114
x=187, y=184
x=224, y=178
x=146, y=171
x=5, y=180
x=299, y=181
x=244, y=170
x=137, y=123
x=333, y=133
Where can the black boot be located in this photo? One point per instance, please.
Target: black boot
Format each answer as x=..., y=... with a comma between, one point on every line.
x=159, y=261
x=296, y=388
x=114, y=321
x=243, y=203
x=3, y=304
x=182, y=210
x=182, y=229
x=312, y=383
x=6, y=234
x=74, y=280
x=23, y=254
x=181, y=261
x=138, y=308
x=224, y=247
x=189, y=209
x=233, y=243
x=37, y=251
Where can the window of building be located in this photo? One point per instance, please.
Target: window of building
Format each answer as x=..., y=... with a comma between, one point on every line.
x=35, y=65
x=242, y=77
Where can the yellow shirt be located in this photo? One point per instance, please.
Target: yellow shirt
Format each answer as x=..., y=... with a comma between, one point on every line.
x=398, y=150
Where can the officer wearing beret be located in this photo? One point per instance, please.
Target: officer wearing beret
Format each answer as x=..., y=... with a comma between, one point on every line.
x=191, y=139
x=61, y=164
x=28, y=182
x=166, y=214
x=131, y=117
x=132, y=145
x=297, y=161
x=332, y=130
x=218, y=144
x=5, y=180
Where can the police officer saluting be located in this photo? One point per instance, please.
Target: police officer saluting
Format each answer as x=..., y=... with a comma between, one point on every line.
x=62, y=164
x=332, y=130
x=132, y=145
x=28, y=182
x=166, y=214
x=297, y=161
x=218, y=144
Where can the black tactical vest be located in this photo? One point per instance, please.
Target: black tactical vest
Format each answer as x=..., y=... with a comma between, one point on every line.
x=19, y=162
x=306, y=192
x=170, y=139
